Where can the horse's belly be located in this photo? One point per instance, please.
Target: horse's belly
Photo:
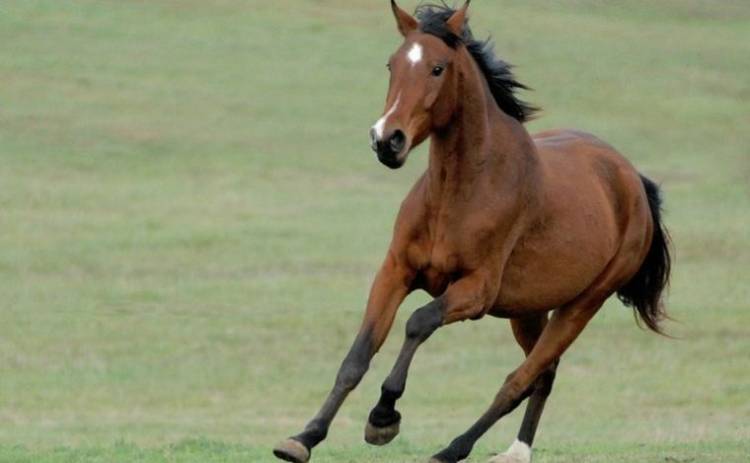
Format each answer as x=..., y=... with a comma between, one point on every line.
x=549, y=270
x=543, y=287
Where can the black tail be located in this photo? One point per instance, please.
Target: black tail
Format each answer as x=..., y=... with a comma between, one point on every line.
x=644, y=291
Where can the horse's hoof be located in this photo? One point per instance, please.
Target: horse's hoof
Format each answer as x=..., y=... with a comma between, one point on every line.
x=292, y=450
x=381, y=436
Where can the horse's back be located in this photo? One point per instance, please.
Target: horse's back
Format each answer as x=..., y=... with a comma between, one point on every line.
x=575, y=160
x=558, y=146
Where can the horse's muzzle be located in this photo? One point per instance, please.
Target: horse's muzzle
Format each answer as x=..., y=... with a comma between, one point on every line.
x=389, y=149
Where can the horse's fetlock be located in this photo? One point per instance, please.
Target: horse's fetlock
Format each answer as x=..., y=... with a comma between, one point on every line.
x=390, y=393
x=458, y=450
x=382, y=416
x=316, y=431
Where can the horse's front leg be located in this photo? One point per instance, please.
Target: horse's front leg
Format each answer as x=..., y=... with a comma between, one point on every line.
x=388, y=291
x=466, y=298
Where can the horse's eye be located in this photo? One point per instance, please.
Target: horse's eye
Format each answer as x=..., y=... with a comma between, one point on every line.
x=437, y=70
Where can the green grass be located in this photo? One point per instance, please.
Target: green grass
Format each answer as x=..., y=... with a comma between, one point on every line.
x=190, y=218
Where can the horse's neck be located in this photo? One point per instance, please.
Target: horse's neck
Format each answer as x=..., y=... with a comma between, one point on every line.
x=480, y=143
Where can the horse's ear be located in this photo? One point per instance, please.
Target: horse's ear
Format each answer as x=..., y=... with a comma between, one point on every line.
x=458, y=19
x=405, y=22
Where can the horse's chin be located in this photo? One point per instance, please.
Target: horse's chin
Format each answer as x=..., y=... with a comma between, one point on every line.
x=394, y=162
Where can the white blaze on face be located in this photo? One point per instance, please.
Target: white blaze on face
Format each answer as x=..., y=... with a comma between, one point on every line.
x=520, y=451
x=380, y=124
x=415, y=54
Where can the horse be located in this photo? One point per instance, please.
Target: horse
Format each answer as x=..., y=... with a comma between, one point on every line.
x=539, y=229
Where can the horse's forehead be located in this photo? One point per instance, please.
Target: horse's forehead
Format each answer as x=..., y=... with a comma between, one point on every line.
x=420, y=46
x=416, y=52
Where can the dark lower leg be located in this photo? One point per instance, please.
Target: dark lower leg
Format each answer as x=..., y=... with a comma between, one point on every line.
x=420, y=326
x=389, y=289
x=563, y=328
x=535, y=406
x=509, y=397
x=350, y=373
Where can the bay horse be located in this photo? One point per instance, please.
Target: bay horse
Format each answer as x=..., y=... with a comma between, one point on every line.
x=538, y=229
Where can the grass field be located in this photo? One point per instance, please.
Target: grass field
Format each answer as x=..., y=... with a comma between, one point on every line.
x=190, y=218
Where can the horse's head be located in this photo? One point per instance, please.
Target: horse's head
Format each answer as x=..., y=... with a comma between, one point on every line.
x=423, y=87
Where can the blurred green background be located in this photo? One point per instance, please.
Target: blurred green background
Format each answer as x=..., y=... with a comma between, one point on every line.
x=190, y=218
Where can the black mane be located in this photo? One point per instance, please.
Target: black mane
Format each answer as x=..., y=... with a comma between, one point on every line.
x=501, y=80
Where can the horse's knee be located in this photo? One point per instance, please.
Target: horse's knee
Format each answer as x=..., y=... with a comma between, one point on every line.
x=424, y=321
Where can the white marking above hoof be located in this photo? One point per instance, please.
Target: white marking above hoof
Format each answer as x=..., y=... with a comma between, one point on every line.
x=519, y=452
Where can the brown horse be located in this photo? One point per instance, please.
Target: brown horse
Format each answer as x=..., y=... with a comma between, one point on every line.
x=539, y=229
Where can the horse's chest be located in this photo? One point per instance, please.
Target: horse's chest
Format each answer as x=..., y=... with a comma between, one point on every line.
x=439, y=264
x=446, y=246
x=435, y=279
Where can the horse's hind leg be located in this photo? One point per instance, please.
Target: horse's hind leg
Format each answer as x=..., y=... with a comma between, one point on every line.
x=563, y=328
x=527, y=332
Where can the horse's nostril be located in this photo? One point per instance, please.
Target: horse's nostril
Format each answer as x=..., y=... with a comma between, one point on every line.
x=397, y=141
x=373, y=139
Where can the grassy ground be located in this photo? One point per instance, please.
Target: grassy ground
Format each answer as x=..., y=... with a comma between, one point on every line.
x=191, y=217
